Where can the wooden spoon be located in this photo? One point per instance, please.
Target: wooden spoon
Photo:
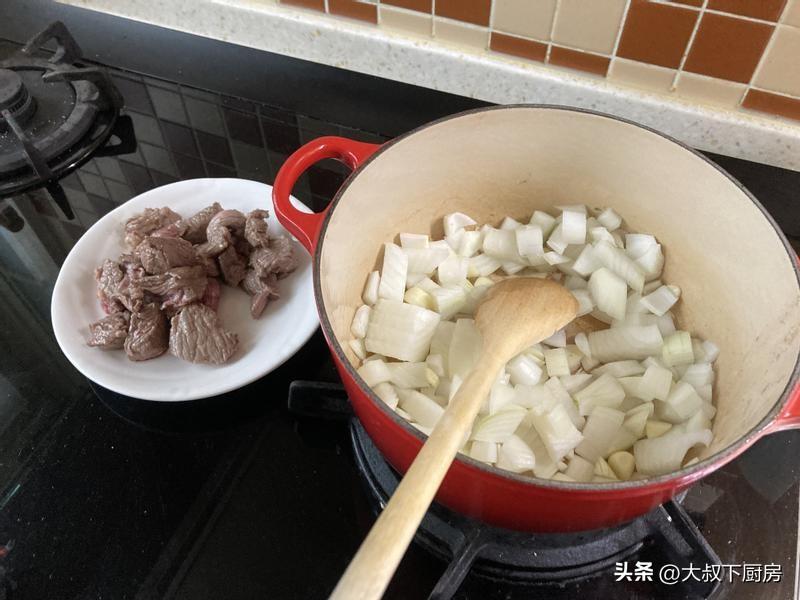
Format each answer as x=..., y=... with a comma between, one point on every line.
x=515, y=314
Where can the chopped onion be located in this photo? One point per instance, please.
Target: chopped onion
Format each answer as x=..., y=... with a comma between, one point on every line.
x=585, y=263
x=655, y=428
x=358, y=348
x=370, y=295
x=637, y=244
x=412, y=279
x=455, y=222
x=500, y=426
x=711, y=351
x=557, y=340
x=502, y=245
x=387, y=393
x=453, y=270
x=425, y=260
x=601, y=427
x=620, y=264
x=448, y=301
x=419, y=297
x=482, y=265
x=562, y=477
x=636, y=418
x=609, y=219
x=651, y=262
x=414, y=240
x=556, y=361
x=360, y=321
x=556, y=240
x=588, y=363
x=604, y=470
x=697, y=422
x=678, y=349
x=622, y=463
x=580, y=469
x=662, y=299
x=484, y=451
x=427, y=284
x=601, y=234
x=374, y=372
x=510, y=223
x=576, y=382
x=656, y=383
x=440, y=342
x=469, y=243
x=558, y=433
x=582, y=342
x=399, y=330
x=500, y=396
x=554, y=258
x=573, y=226
x=465, y=348
x=603, y=391
x=698, y=375
x=623, y=440
x=436, y=363
x=524, y=370
x=530, y=241
x=620, y=343
x=621, y=368
x=544, y=466
x=544, y=221
x=393, y=275
x=562, y=396
x=665, y=324
x=609, y=292
x=681, y=403
x=412, y=375
x=511, y=268
x=664, y=454
x=538, y=397
x=423, y=410
x=516, y=456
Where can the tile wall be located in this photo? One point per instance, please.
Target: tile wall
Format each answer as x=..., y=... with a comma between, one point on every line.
x=737, y=54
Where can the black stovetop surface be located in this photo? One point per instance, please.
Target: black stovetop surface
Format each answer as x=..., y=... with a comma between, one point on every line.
x=235, y=497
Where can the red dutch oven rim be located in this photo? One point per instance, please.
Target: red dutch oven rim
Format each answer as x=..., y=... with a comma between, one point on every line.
x=310, y=228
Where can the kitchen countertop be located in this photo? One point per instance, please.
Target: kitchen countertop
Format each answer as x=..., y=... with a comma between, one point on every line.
x=108, y=497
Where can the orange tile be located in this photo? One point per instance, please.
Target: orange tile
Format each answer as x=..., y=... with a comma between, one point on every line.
x=727, y=47
x=769, y=10
x=508, y=44
x=581, y=61
x=656, y=33
x=425, y=6
x=773, y=104
x=470, y=11
x=352, y=9
x=312, y=4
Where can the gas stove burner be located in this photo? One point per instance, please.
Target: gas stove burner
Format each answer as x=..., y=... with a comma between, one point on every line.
x=54, y=111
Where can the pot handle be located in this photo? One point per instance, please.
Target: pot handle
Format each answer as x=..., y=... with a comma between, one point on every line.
x=305, y=226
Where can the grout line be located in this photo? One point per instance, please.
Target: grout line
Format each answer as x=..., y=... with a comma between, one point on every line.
x=378, y=13
x=715, y=11
x=689, y=44
x=491, y=24
x=433, y=18
x=619, y=35
x=326, y=7
x=550, y=37
x=761, y=61
x=760, y=89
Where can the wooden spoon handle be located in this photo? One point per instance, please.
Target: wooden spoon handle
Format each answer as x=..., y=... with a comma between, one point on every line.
x=376, y=560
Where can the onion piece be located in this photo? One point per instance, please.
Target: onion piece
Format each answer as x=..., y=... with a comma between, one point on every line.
x=425, y=260
x=387, y=393
x=609, y=292
x=711, y=351
x=601, y=427
x=393, y=275
x=455, y=222
x=603, y=391
x=501, y=395
x=484, y=451
x=681, y=403
x=515, y=455
x=469, y=243
x=370, y=294
x=573, y=226
x=585, y=263
x=678, y=349
x=697, y=422
x=465, y=348
x=544, y=466
x=623, y=440
x=530, y=241
x=502, y=245
x=656, y=383
x=402, y=331
x=562, y=396
x=664, y=454
x=662, y=299
x=544, y=221
x=452, y=271
x=582, y=342
x=609, y=219
x=524, y=370
x=374, y=372
x=654, y=428
x=651, y=262
x=636, y=418
x=427, y=284
x=698, y=375
x=620, y=264
x=621, y=368
x=510, y=223
x=557, y=340
x=580, y=469
x=360, y=322
x=511, y=268
x=538, y=397
x=423, y=410
x=603, y=471
x=637, y=244
x=448, y=301
x=436, y=363
x=576, y=382
x=620, y=343
x=556, y=240
x=482, y=265
x=622, y=464
x=419, y=297
x=500, y=426
x=414, y=240
x=554, y=258
x=555, y=428
x=556, y=361
x=440, y=342
x=412, y=375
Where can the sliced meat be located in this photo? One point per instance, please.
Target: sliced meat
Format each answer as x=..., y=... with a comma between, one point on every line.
x=152, y=219
x=255, y=228
x=278, y=258
x=232, y=266
x=262, y=289
x=197, y=335
x=211, y=295
x=109, y=333
x=172, y=230
x=159, y=254
x=221, y=231
x=178, y=286
x=147, y=335
x=108, y=277
x=208, y=262
x=196, y=225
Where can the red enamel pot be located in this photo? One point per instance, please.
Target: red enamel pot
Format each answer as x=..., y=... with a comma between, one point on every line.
x=738, y=276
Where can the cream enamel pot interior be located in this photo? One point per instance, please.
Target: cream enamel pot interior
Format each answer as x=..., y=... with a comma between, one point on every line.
x=737, y=273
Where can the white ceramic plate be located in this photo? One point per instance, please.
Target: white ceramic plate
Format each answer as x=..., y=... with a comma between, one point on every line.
x=264, y=343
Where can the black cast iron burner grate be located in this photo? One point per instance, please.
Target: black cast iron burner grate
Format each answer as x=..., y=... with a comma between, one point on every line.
x=472, y=548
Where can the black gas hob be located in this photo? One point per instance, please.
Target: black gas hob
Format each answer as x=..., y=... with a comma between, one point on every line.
x=245, y=496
